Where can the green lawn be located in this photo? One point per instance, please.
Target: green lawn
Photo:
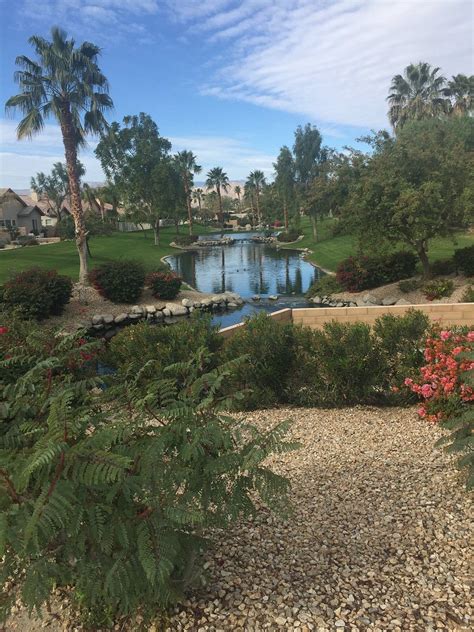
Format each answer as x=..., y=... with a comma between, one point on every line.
x=329, y=250
x=63, y=255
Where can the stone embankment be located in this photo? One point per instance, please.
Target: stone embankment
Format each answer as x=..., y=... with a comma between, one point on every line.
x=225, y=241
x=365, y=301
x=260, y=239
x=163, y=313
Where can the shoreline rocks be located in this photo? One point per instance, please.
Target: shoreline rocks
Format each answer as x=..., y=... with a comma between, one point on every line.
x=170, y=312
x=368, y=300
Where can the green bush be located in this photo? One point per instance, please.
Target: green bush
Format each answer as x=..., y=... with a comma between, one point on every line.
x=185, y=240
x=438, y=288
x=443, y=266
x=291, y=235
x=37, y=293
x=119, y=281
x=362, y=273
x=324, y=286
x=409, y=285
x=468, y=296
x=109, y=494
x=464, y=260
x=164, y=285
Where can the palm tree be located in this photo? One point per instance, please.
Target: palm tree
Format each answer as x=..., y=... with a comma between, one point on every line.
x=187, y=166
x=416, y=95
x=217, y=179
x=198, y=196
x=461, y=91
x=256, y=180
x=238, y=192
x=64, y=82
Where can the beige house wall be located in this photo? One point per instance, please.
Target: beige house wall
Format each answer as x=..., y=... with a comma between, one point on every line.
x=445, y=314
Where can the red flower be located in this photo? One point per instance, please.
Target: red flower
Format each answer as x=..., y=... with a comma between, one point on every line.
x=3, y=330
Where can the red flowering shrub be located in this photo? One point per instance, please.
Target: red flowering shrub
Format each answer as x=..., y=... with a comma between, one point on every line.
x=442, y=384
x=164, y=285
x=363, y=272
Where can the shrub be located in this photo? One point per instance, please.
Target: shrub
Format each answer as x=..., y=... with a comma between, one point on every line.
x=464, y=260
x=112, y=502
x=37, y=293
x=119, y=281
x=468, y=296
x=409, y=285
x=26, y=240
x=164, y=285
x=438, y=288
x=185, y=240
x=443, y=266
x=291, y=235
x=362, y=273
x=324, y=286
x=446, y=387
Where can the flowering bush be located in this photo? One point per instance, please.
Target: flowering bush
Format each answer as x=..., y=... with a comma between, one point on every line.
x=441, y=384
x=164, y=285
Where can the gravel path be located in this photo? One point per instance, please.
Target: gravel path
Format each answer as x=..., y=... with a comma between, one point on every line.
x=379, y=539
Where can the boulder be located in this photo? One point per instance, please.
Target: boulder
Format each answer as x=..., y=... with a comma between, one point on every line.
x=134, y=316
x=97, y=319
x=389, y=300
x=187, y=302
x=176, y=310
x=150, y=309
x=197, y=304
x=273, y=297
x=137, y=309
x=120, y=318
x=316, y=299
x=206, y=302
x=402, y=301
x=370, y=299
x=159, y=315
x=232, y=305
x=166, y=312
x=108, y=319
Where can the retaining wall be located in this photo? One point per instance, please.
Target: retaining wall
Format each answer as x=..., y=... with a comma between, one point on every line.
x=445, y=313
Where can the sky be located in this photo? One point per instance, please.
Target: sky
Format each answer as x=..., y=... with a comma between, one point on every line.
x=231, y=80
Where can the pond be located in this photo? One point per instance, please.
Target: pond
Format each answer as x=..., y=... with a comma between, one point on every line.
x=248, y=268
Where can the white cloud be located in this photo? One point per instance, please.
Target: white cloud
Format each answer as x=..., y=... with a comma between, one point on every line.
x=331, y=60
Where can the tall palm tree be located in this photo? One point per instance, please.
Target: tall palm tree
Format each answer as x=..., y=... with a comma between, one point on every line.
x=187, y=166
x=256, y=180
x=64, y=82
x=416, y=94
x=238, y=192
x=461, y=92
x=217, y=179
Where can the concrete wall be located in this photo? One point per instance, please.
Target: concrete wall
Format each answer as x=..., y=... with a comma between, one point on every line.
x=445, y=313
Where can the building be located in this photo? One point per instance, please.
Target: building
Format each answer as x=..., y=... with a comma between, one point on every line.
x=16, y=213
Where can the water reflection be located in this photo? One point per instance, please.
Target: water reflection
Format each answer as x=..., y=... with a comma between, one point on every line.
x=247, y=268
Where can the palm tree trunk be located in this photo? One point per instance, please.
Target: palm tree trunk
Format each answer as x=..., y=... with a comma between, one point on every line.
x=314, y=226
x=221, y=214
x=188, y=203
x=70, y=150
x=259, y=219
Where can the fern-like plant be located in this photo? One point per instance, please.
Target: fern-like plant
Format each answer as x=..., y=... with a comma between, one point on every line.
x=110, y=493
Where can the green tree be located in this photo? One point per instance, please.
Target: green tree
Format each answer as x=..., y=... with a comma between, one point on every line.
x=417, y=94
x=309, y=155
x=460, y=90
x=218, y=179
x=55, y=185
x=64, y=82
x=188, y=167
x=256, y=181
x=285, y=180
x=136, y=161
x=417, y=186
x=238, y=193
x=198, y=197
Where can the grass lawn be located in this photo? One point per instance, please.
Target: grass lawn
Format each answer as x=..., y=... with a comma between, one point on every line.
x=329, y=250
x=64, y=258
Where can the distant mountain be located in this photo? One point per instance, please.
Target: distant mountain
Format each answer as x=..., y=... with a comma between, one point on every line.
x=231, y=190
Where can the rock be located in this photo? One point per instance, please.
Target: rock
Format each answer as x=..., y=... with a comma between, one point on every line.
x=97, y=319
x=197, y=305
x=390, y=300
x=256, y=297
x=137, y=309
x=273, y=297
x=166, y=312
x=187, y=302
x=108, y=319
x=150, y=309
x=232, y=305
x=135, y=316
x=316, y=299
x=159, y=315
x=402, y=301
x=98, y=327
x=206, y=302
x=176, y=310
x=120, y=318
x=218, y=299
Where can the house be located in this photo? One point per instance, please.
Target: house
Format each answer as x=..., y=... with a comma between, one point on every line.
x=50, y=218
x=16, y=213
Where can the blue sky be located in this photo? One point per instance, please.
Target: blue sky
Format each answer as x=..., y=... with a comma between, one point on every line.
x=232, y=80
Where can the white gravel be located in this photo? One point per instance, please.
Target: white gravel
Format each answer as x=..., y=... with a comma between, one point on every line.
x=379, y=539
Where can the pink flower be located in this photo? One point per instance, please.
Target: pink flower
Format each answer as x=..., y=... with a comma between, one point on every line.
x=3, y=330
x=408, y=381
x=445, y=335
x=426, y=390
x=470, y=336
x=422, y=411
